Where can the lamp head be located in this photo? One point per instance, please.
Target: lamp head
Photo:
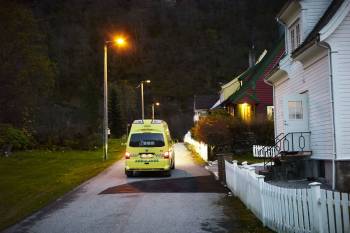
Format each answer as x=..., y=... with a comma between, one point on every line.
x=120, y=41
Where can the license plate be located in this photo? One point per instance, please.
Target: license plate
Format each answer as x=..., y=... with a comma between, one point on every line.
x=147, y=161
x=146, y=156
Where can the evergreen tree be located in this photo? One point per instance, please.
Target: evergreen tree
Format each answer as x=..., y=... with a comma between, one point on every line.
x=114, y=114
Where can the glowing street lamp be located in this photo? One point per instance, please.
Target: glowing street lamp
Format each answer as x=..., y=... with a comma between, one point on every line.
x=119, y=42
x=154, y=104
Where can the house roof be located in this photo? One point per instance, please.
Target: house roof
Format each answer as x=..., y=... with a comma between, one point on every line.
x=314, y=34
x=263, y=68
x=204, y=101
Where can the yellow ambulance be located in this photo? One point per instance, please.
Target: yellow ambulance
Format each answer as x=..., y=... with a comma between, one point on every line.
x=149, y=148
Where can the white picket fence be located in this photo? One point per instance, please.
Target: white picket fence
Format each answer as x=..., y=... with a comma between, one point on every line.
x=312, y=210
x=264, y=151
x=199, y=147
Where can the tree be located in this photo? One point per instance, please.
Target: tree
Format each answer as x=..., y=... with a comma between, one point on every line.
x=114, y=114
x=26, y=72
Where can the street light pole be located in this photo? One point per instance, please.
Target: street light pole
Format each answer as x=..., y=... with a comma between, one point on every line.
x=142, y=102
x=142, y=98
x=120, y=42
x=153, y=109
x=105, y=106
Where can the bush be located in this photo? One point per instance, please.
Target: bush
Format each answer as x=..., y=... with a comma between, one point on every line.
x=80, y=141
x=221, y=129
x=263, y=131
x=15, y=137
x=214, y=129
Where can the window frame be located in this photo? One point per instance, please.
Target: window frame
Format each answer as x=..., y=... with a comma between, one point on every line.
x=295, y=34
x=298, y=112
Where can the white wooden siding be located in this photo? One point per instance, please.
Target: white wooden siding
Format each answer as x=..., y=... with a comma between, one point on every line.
x=312, y=12
x=340, y=44
x=315, y=80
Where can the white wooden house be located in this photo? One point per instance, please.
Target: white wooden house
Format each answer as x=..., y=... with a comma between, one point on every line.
x=312, y=87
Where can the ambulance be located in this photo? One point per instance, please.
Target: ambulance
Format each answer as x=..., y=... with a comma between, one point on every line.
x=149, y=148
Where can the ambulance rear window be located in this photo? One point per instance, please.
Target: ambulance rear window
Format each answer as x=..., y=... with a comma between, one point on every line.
x=146, y=140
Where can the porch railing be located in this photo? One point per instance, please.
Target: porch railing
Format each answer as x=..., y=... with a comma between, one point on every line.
x=291, y=143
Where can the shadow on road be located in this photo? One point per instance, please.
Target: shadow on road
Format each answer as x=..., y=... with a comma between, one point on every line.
x=199, y=184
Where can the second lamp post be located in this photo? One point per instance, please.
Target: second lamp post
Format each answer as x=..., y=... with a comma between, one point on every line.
x=153, y=110
x=142, y=98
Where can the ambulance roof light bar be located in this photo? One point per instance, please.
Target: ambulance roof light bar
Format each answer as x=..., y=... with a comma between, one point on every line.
x=138, y=122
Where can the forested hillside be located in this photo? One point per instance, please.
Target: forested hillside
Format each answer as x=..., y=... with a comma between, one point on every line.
x=51, y=60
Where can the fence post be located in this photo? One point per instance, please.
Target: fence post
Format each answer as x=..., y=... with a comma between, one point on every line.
x=250, y=175
x=235, y=177
x=261, y=183
x=316, y=207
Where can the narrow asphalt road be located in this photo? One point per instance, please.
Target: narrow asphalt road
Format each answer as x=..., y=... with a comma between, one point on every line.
x=186, y=202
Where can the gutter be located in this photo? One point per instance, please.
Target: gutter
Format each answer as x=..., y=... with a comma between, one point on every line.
x=331, y=89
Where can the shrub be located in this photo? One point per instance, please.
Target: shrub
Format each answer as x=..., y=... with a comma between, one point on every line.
x=263, y=131
x=221, y=129
x=15, y=137
x=214, y=129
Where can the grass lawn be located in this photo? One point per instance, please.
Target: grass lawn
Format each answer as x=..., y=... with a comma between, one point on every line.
x=30, y=180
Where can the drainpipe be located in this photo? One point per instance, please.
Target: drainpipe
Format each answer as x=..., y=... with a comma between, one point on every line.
x=331, y=89
x=274, y=104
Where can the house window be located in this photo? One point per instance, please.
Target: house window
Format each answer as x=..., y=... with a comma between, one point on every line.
x=295, y=109
x=270, y=112
x=295, y=36
x=245, y=112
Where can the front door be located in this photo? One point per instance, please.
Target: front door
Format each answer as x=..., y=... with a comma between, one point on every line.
x=296, y=116
x=296, y=122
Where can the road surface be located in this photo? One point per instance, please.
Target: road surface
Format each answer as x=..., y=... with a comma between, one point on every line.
x=186, y=202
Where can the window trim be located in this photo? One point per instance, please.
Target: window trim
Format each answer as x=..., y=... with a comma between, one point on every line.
x=294, y=30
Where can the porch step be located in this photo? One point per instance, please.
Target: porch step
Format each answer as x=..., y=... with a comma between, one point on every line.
x=291, y=154
x=267, y=173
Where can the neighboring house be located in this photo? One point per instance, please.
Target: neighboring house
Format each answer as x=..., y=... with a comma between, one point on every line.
x=248, y=96
x=312, y=87
x=202, y=104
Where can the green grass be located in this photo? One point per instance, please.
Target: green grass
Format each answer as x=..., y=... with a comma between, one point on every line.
x=29, y=180
x=240, y=218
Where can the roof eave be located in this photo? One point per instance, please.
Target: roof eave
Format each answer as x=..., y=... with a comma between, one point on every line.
x=301, y=49
x=275, y=75
x=280, y=15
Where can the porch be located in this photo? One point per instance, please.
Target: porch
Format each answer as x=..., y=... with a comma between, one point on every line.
x=288, y=158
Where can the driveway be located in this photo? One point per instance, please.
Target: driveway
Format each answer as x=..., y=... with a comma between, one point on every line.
x=190, y=201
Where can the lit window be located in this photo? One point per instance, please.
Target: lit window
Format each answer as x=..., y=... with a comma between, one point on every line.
x=270, y=112
x=245, y=111
x=295, y=109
